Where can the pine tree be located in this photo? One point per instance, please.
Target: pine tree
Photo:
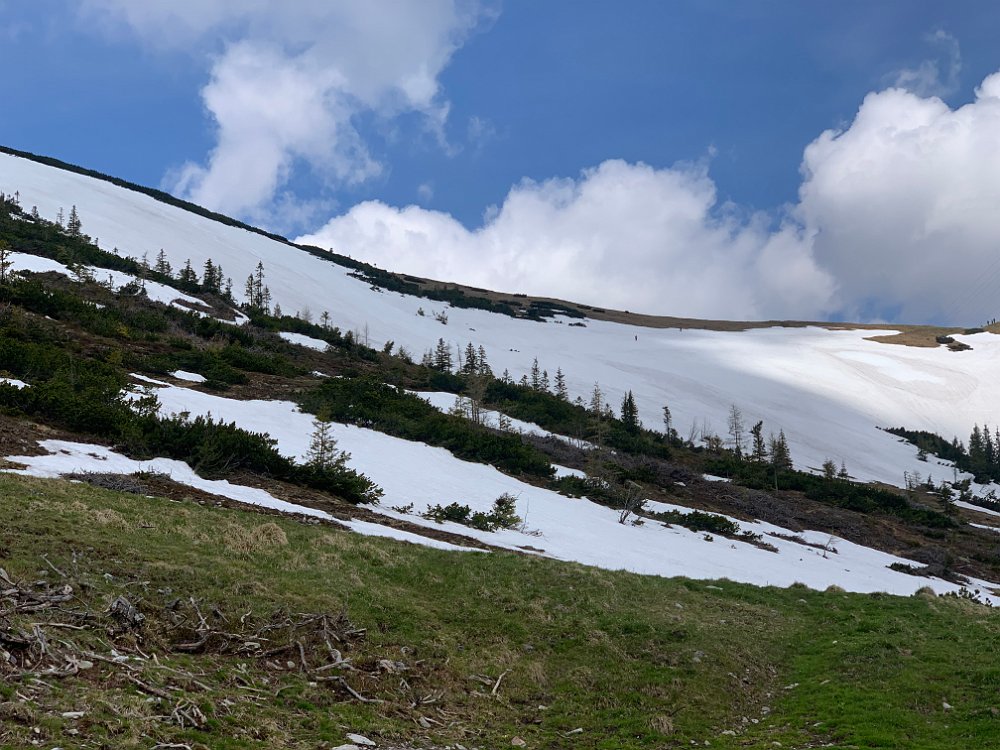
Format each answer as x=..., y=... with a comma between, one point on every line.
x=60, y=218
x=536, y=375
x=484, y=370
x=324, y=320
x=543, y=383
x=74, y=226
x=323, y=454
x=758, y=449
x=187, y=275
x=667, y=421
x=442, y=356
x=842, y=474
x=249, y=294
x=470, y=363
x=277, y=311
x=596, y=401
x=781, y=457
x=562, y=393
x=209, y=277
x=162, y=265
x=630, y=414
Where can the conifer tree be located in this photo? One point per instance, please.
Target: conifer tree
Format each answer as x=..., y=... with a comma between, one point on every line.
x=470, y=362
x=596, y=401
x=323, y=454
x=781, y=457
x=484, y=370
x=211, y=279
x=758, y=449
x=667, y=421
x=842, y=474
x=536, y=375
x=562, y=393
x=162, y=265
x=187, y=275
x=74, y=226
x=442, y=356
x=630, y=414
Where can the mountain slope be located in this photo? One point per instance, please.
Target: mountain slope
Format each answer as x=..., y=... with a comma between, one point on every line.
x=829, y=390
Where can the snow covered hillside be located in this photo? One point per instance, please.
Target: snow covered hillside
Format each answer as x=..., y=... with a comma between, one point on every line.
x=829, y=390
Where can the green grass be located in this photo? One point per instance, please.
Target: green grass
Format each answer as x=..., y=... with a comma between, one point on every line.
x=636, y=662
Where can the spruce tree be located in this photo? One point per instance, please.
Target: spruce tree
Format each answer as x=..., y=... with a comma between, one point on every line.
x=323, y=454
x=562, y=392
x=484, y=370
x=470, y=363
x=630, y=414
x=596, y=401
x=442, y=356
x=758, y=448
x=162, y=265
x=74, y=226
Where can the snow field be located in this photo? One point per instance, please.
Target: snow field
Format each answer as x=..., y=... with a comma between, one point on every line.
x=561, y=527
x=829, y=390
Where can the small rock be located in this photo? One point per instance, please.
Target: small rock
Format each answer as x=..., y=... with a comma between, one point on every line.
x=518, y=742
x=359, y=739
x=73, y=714
x=346, y=747
x=946, y=705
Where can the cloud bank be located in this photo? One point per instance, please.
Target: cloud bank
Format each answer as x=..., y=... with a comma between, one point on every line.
x=288, y=81
x=896, y=219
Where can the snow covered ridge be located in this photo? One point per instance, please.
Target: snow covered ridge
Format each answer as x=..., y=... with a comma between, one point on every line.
x=829, y=390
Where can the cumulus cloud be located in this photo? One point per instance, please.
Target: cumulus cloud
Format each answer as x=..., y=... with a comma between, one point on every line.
x=902, y=205
x=288, y=80
x=623, y=235
x=896, y=220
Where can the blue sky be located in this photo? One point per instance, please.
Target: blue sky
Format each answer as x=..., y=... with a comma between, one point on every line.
x=730, y=93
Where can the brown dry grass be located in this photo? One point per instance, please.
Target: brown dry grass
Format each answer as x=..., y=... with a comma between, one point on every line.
x=248, y=541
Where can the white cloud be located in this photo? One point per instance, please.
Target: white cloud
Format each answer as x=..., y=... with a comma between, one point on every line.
x=903, y=206
x=935, y=77
x=896, y=220
x=622, y=235
x=288, y=79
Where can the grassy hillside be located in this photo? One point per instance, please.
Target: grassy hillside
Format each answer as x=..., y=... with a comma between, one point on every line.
x=443, y=647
